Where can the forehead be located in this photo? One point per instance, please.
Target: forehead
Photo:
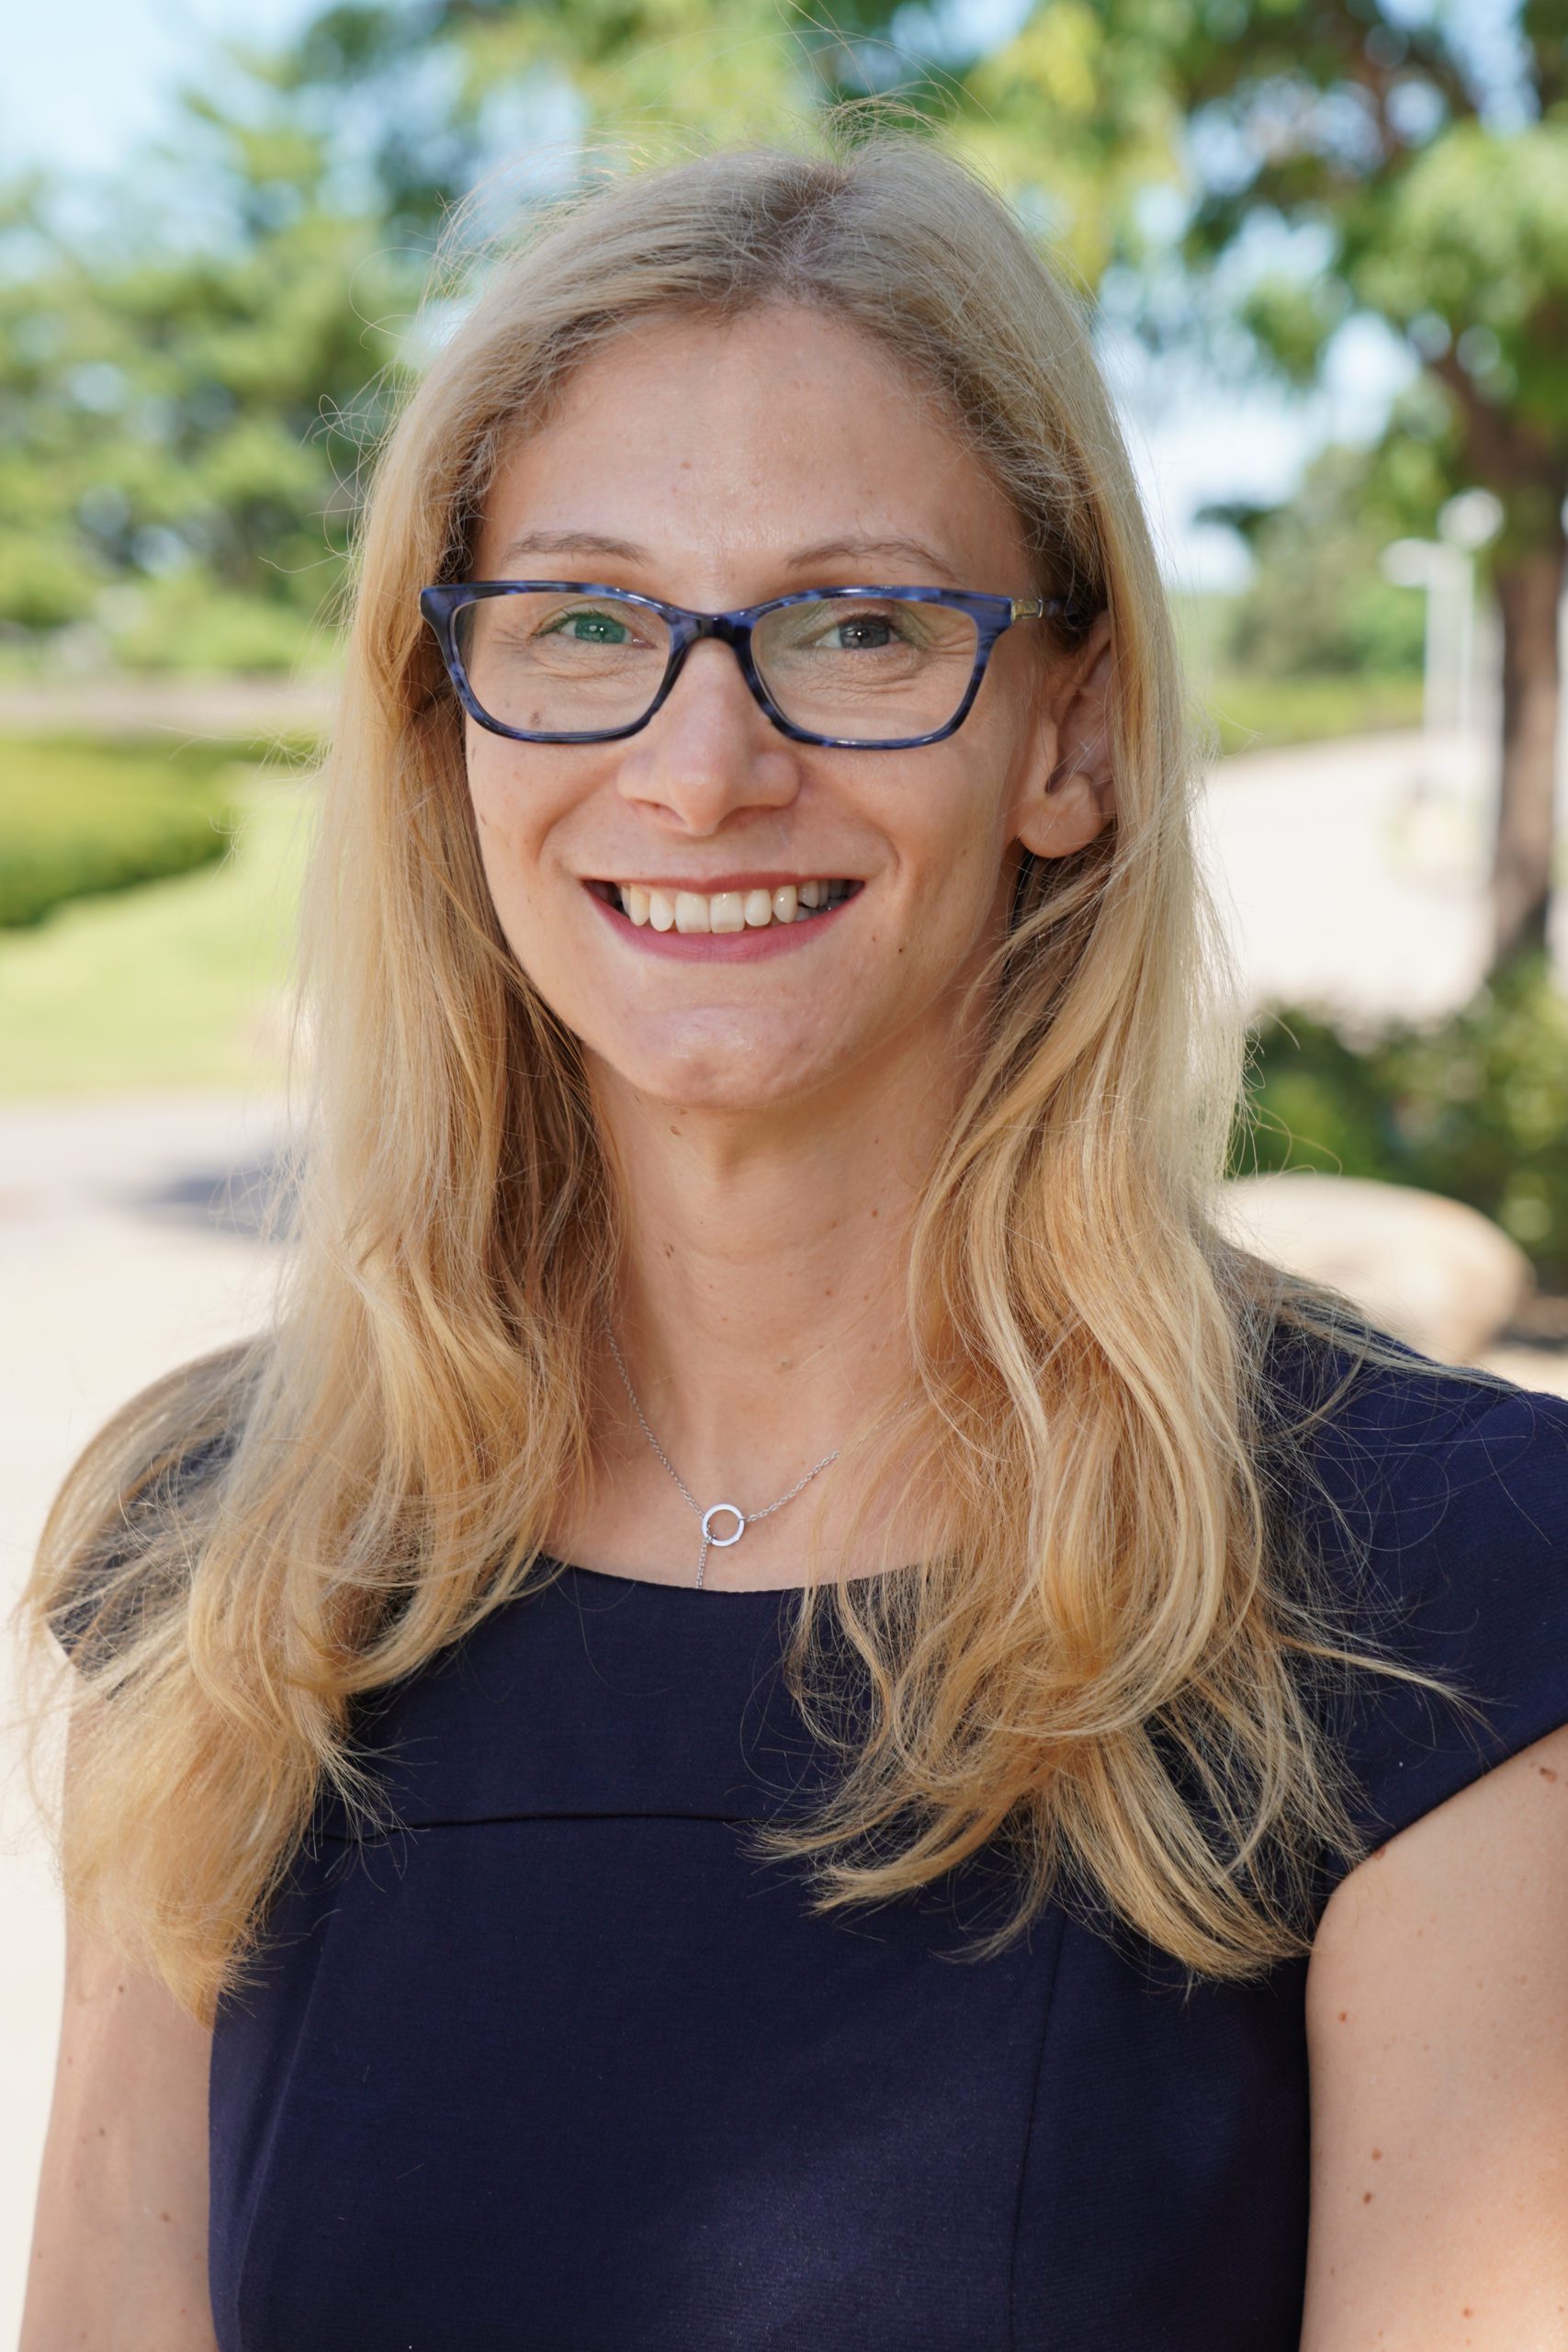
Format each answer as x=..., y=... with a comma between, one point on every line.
x=723, y=446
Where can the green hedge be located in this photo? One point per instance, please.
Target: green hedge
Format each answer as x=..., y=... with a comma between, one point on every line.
x=1252, y=714
x=1473, y=1105
x=80, y=815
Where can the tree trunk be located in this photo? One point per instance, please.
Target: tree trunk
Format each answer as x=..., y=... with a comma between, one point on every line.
x=1529, y=591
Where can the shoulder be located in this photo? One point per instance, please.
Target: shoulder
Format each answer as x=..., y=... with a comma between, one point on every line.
x=1439, y=1509
x=1437, y=2014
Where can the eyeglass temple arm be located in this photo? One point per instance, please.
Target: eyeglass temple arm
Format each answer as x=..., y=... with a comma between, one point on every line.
x=1034, y=609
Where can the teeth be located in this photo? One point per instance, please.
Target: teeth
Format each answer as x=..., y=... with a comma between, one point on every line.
x=727, y=910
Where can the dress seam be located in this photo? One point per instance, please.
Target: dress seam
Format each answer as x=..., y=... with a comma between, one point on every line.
x=1058, y=1919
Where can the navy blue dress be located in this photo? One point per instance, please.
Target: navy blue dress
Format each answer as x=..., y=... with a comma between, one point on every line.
x=558, y=2066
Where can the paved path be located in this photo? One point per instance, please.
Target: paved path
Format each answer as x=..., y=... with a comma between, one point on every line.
x=242, y=708
x=1355, y=872
x=125, y=1247
x=113, y=1268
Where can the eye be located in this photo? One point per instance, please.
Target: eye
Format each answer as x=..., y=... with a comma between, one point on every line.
x=863, y=632
x=590, y=627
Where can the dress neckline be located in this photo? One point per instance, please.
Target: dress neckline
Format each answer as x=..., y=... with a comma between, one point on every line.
x=702, y=1592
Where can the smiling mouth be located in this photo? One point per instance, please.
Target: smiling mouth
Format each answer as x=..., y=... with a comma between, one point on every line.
x=663, y=909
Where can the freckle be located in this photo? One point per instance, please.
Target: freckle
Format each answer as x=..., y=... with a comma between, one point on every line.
x=1376, y=2155
x=165, y=2216
x=1343, y=2015
x=1366, y=2196
x=1467, y=2313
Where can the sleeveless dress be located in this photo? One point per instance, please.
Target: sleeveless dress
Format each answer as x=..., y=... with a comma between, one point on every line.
x=558, y=2066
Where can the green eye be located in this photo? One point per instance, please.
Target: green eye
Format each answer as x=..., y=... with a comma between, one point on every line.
x=595, y=630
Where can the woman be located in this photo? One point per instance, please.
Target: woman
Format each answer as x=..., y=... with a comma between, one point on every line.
x=763, y=1714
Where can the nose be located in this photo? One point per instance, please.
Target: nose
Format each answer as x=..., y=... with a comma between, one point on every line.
x=709, y=751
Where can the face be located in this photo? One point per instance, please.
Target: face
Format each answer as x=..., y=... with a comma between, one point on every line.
x=718, y=455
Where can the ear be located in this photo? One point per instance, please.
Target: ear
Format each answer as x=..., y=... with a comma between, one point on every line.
x=1071, y=793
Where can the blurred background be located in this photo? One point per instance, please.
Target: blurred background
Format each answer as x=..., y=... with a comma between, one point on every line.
x=1328, y=245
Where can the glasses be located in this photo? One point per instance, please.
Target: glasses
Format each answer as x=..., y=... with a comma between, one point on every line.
x=863, y=669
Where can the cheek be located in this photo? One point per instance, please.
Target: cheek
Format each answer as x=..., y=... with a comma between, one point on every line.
x=959, y=860
x=509, y=823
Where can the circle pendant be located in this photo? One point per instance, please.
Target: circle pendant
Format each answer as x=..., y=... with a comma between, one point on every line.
x=723, y=1543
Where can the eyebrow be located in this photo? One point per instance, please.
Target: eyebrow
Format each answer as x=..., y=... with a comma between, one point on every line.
x=574, y=543
x=856, y=544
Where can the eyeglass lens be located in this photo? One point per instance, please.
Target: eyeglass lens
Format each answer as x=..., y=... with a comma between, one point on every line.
x=866, y=669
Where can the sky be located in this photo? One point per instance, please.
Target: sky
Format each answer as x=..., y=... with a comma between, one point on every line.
x=82, y=83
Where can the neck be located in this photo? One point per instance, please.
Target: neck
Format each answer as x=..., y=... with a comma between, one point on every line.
x=761, y=1310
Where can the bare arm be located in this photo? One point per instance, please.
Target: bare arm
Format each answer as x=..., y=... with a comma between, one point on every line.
x=120, y=2241
x=1438, y=2033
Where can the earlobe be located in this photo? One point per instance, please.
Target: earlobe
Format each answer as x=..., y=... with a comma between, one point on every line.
x=1067, y=815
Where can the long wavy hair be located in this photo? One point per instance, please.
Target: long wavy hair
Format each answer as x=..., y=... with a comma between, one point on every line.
x=1114, y=1630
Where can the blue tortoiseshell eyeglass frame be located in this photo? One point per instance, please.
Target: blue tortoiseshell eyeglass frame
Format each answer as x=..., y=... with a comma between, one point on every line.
x=991, y=615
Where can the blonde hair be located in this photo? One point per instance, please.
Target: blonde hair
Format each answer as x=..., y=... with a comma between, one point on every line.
x=277, y=1527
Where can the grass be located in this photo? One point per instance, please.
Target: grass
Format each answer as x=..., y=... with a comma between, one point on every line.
x=177, y=983
x=1256, y=714
x=83, y=815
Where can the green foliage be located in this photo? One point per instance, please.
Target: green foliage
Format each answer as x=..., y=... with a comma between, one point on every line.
x=1248, y=713
x=188, y=386
x=180, y=983
x=185, y=625
x=82, y=816
x=1419, y=170
x=186, y=391
x=1317, y=605
x=1075, y=126
x=1474, y=1106
x=1475, y=235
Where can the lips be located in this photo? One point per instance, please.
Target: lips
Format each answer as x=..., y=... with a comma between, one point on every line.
x=755, y=905
x=754, y=915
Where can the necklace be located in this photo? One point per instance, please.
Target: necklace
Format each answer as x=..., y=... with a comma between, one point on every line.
x=742, y=1518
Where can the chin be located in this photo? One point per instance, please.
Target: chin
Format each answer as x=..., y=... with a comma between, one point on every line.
x=707, y=1073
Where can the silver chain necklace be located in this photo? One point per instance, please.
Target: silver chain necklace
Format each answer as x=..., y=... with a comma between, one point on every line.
x=742, y=1518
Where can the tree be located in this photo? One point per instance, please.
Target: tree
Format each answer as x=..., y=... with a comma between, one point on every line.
x=186, y=384
x=1404, y=169
x=1317, y=604
x=1075, y=128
